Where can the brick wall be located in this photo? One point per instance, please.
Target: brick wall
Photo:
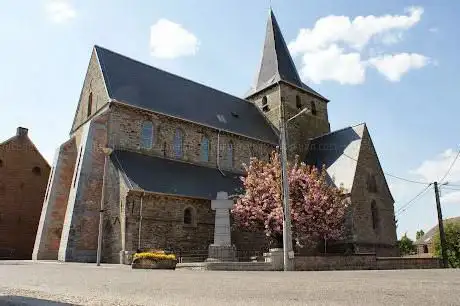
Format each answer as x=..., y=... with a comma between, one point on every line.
x=21, y=194
x=163, y=225
x=94, y=85
x=384, y=235
x=55, y=203
x=127, y=122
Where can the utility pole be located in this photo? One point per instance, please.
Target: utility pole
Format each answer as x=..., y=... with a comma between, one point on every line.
x=287, y=234
x=442, y=234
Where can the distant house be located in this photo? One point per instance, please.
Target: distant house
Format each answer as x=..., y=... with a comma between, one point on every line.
x=23, y=179
x=425, y=245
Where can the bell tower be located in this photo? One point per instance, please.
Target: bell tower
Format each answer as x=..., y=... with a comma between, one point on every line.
x=278, y=81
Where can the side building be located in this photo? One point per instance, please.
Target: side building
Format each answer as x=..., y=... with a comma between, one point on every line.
x=23, y=179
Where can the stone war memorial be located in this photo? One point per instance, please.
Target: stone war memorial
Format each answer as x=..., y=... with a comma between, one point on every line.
x=177, y=154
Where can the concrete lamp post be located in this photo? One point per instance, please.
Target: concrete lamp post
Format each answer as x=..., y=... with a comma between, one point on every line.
x=288, y=253
x=107, y=151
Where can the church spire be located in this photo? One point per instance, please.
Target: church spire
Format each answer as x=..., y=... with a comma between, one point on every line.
x=277, y=64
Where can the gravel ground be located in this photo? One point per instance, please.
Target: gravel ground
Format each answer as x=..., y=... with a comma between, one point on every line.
x=29, y=283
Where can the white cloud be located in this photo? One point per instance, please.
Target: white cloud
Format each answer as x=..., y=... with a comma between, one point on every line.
x=434, y=169
x=395, y=66
x=355, y=33
x=334, y=48
x=451, y=198
x=433, y=30
x=170, y=40
x=333, y=64
x=60, y=11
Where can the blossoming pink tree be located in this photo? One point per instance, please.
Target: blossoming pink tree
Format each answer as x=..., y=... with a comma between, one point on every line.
x=317, y=208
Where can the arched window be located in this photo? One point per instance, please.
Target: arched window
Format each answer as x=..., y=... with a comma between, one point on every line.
x=375, y=215
x=147, y=135
x=265, y=107
x=188, y=216
x=90, y=105
x=313, y=108
x=178, y=143
x=371, y=183
x=204, y=149
x=298, y=102
x=229, y=155
x=37, y=171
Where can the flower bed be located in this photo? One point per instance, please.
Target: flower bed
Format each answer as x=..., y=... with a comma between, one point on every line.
x=154, y=260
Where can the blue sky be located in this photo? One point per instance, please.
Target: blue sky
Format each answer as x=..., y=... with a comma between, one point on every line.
x=391, y=64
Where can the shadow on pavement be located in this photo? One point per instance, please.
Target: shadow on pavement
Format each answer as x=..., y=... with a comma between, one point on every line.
x=9, y=300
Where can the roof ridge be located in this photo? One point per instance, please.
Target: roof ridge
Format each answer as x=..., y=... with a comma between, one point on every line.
x=172, y=74
x=339, y=130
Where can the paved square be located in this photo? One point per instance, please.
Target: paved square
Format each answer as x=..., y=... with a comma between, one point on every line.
x=29, y=283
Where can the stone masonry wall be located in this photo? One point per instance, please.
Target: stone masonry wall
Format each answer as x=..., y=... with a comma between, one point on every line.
x=302, y=128
x=112, y=221
x=55, y=203
x=163, y=224
x=383, y=239
x=79, y=236
x=126, y=130
x=93, y=84
x=21, y=194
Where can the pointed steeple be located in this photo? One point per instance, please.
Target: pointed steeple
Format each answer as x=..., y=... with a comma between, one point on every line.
x=277, y=64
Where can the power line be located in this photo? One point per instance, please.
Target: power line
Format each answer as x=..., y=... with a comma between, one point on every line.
x=448, y=188
x=392, y=175
x=450, y=168
x=405, y=206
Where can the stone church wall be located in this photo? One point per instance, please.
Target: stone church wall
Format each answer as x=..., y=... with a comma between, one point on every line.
x=126, y=129
x=55, y=204
x=94, y=85
x=79, y=235
x=304, y=127
x=382, y=240
x=163, y=223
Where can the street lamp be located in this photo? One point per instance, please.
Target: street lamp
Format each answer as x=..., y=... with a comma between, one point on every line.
x=107, y=151
x=288, y=253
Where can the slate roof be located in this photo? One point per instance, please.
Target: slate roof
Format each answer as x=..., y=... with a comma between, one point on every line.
x=144, y=86
x=339, y=152
x=425, y=239
x=277, y=64
x=155, y=174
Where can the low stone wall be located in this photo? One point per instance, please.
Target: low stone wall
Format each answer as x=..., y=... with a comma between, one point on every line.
x=321, y=263
x=227, y=266
x=363, y=262
x=392, y=263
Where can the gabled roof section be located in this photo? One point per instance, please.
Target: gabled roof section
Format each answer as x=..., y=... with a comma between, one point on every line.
x=428, y=237
x=140, y=85
x=338, y=151
x=160, y=175
x=277, y=64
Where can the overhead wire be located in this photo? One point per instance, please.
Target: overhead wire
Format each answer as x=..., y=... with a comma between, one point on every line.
x=450, y=168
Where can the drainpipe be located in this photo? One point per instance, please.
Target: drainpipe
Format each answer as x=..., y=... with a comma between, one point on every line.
x=140, y=220
x=218, y=152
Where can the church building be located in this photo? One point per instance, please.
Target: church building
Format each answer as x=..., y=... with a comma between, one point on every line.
x=158, y=148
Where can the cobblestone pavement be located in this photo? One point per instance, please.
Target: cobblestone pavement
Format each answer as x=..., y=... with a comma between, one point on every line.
x=29, y=283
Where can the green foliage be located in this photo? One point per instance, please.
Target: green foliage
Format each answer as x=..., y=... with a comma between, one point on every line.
x=406, y=245
x=452, y=230
x=419, y=234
